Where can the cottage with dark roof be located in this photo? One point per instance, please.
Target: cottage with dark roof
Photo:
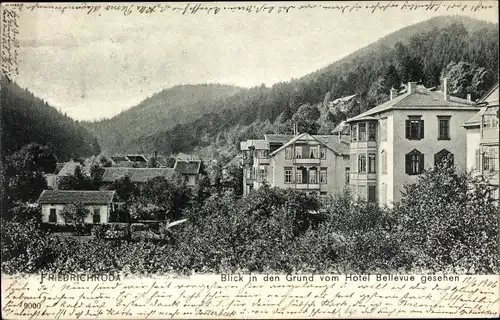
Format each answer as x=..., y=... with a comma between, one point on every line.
x=99, y=203
x=392, y=143
x=189, y=169
x=137, y=175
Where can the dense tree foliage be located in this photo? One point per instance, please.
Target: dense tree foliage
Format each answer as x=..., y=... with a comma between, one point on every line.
x=416, y=53
x=26, y=119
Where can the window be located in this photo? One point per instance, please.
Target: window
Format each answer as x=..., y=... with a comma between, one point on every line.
x=490, y=157
x=298, y=176
x=298, y=152
x=372, y=197
x=414, y=162
x=383, y=156
x=371, y=163
x=478, y=159
x=361, y=163
x=323, y=197
x=246, y=155
x=372, y=131
x=288, y=153
x=52, y=216
x=262, y=174
x=383, y=129
x=490, y=121
x=313, y=176
x=322, y=152
x=354, y=132
x=361, y=191
x=322, y=176
x=186, y=179
x=262, y=154
x=442, y=156
x=96, y=218
x=347, y=175
x=444, y=127
x=414, y=128
x=288, y=175
x=362, y=132
x=313, y=153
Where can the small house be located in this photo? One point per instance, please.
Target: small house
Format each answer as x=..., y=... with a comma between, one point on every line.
x=99, y=203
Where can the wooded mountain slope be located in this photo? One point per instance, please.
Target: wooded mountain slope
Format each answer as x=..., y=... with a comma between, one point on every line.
x=162, y=111
x=416, y=53
x=26, y=118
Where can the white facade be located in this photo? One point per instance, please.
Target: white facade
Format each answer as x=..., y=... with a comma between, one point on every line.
x=103, y=211
x=403, y=137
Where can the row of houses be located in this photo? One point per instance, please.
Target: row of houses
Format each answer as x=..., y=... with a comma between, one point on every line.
x=378, y=151
x=101, y=203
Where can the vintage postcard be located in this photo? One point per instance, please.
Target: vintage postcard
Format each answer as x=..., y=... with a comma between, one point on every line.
x=179, y=160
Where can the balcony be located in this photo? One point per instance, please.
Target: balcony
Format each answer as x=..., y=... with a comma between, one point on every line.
x=259, y=161
x=307, y=186
x=307, y=161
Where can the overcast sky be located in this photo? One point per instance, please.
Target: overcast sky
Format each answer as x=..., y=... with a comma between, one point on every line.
x=94, y=66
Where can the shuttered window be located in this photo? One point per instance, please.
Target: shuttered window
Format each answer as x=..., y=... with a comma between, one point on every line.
x=414, y=162
x=414, y=129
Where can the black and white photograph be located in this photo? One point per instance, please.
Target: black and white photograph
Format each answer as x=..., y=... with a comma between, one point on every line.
x=234, y=139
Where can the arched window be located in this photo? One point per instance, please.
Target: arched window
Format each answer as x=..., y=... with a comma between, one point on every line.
x=443, y=155
x=414, y=162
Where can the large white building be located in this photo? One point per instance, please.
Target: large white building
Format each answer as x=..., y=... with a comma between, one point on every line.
x=391, y=144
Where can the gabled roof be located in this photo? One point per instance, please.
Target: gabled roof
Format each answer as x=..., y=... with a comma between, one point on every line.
x=69, y=168
x=187, y=166
x=330, y=141
x=71, y=196
x=278, y=138
x=343, y=99
x=420, y=98
x=491, y=98
x=135, y=174
x=257, y=144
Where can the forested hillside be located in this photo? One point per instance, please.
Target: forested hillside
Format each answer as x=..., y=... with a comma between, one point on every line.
x=162, y=111
x=464, y=49
x=26, y=119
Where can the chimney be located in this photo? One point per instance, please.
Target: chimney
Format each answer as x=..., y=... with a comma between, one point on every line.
x=445, y=89
x=412, y=86
x=393, y=93
x=469, y=98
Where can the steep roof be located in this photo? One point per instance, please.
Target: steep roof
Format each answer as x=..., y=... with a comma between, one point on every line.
x=71, y=196
x=187, y=166
x=491, y=98
x=135, y=174
x=257, y=144
x=420, y=98
x=330, y=141
x=278, y=138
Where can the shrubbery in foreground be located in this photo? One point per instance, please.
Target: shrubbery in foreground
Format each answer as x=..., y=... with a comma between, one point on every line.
x=446, y=225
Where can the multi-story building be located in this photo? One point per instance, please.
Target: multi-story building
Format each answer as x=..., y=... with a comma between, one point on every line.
x=316, y=164
x=482, y=139
x=391, y=144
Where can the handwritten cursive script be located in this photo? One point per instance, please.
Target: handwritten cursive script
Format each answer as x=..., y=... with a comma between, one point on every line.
x=10, y=43
x=208, y=296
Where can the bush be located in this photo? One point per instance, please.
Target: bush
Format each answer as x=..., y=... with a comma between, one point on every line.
x=25, y=247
